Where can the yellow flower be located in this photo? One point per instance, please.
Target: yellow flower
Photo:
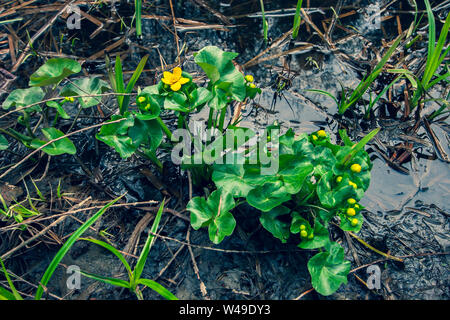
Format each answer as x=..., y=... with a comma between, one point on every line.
x=141, y=99
x=351, y=201
x=353, y=184
x=357, y=206
x=303, y=233
x=252, y=85
x=354, y=222
x=355, y=168
x=311, y=236
x=314, y=137
x=174, y=80
x=338, y=179
x=351, y=212
x=322, y=133
x=302, y=227
x=249, y=78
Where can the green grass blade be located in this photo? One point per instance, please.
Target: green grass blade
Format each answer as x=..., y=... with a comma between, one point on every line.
x=358, y=146
x=344, y=136
x=65, y=248
x=134, y=78
x=138, y=8
x=297, y=19
x=148, y=244
x=265, y=24
x=108, y=280
x=365, y=84
x=431, y=39
x=120, y=86
x=113, y=250
x=324, y=93
x=158, y=288
x=15, y=293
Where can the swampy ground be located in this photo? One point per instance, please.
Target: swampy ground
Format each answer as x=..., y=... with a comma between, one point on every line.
x=407, y=207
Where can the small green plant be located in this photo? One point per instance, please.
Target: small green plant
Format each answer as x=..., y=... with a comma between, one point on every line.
x=6, y=294
x=347, y=99
x=316, y=182
x=435, y=57
x=134, y=275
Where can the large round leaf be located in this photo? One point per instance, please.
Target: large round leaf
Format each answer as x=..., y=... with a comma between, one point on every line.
x=24, y=97
x=230, y=177
x=58, y=147
x=278, y=228
x=86, y=86
x=53, y=71
x=329, y=270
x=268, y=196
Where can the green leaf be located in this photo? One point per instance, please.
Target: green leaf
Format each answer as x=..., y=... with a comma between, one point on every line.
x=116, y=135
x=219, y=68
x=346, y=224
x=113, y=250
x=3, y=143
x=59, y=109
x=230, y=177
x=331, y=194
x=213, y=213
x=329, y=270
x=268, y=196
x=86, y=86
x=279, y=229
x=108, y=280
x=56, y=148
x=67, y=245
x=148, y=245
x=158, y=288
x=53, y=71
x=293, y=172
x=200, y=96
x=320, y=239
x=24, y=97
x=177, y=102
x=15, y=294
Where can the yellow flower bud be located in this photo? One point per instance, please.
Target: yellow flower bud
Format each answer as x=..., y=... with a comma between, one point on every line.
x=351, y=201
x=322, y=133
x=252, y=85
x=249, y=78
x=354, y=222
x=353, y=184
x=314, y=137
x=311, y=236
x=351, y=212
x=355, y=168
x=357, y=206
x=302, y=227
x=147, y=106
x=338, y=179
x=304, y=234
x=141, y=99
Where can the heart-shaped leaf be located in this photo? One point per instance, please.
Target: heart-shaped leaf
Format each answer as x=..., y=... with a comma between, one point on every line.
x=24, y=97
x=86, y=86
x=213, y=213
x=268, y=196
x=116, y=135
x=329, y=270
x=230, y=177
x=53, y=71
x=278, y=228
x=56, y=148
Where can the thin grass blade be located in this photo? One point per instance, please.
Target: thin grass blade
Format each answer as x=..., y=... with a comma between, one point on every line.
x=65, y=248
x=158, y=288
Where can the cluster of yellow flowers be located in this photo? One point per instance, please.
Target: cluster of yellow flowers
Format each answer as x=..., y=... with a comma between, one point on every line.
x=249, y=79
x=304, y=233
x=142, y=100
x=69, y=99
x=319, y=135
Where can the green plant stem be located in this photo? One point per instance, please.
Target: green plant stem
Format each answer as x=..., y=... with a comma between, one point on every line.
x=138, y=8
x=210, y=118
x=374, y=249
x=222, y=118
x=166, y=130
